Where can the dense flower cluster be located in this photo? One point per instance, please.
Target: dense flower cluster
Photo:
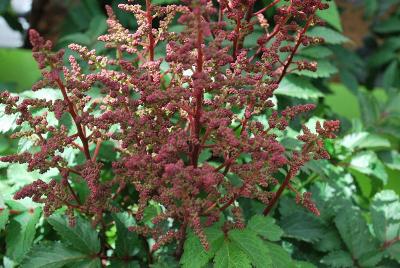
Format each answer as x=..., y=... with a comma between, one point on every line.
x=163, y=114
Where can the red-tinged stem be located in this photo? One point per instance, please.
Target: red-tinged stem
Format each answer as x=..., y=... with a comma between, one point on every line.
x=73, y=193
x=278, y=194
x=71, y=109
x=388, y=243
x=97, y=150
x=267, y=7
x=236, y=40
x=149, y=17
x=12, y=211
x=296, y=47
x=198, y=92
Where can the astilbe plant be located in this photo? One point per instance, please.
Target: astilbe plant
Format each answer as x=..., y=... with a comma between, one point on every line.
x=210, y=96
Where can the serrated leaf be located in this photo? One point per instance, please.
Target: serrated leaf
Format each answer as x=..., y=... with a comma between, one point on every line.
x=331, y=15
x=298, y=87
x=338, y=259
x=364, y=140
x=330, y=36
x=367, y=162
x=303, y=226
x=127, y=243
x=266, y=227
x=385, y=212
x=82, y=236
x=231, y=256
x=194, y=254
x=391, y=25
x=20, y=234
x=280, y=257
x=316, y=52
x=53, y=255
x=329, y=242
x=7, y=121
x=252, y=245
x=394, y=251
x=354, y=232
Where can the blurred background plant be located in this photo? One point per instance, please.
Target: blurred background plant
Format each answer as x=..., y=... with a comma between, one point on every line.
x=358, y=81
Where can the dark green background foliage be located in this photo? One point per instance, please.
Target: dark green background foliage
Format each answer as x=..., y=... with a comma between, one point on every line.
x=357, y=191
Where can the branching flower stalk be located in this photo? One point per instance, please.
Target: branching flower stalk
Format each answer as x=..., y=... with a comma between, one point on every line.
x=207, y=96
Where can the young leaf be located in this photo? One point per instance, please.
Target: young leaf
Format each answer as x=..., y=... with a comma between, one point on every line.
x=266, y=227
x=20, y=234
x=298, y=87
x=127, y=242
x=54, y=255
x=194, y=254
x=280, y=257
x=81, y=236
x=231, y=256
x=253, y=246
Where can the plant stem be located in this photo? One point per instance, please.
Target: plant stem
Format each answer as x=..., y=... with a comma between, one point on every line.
x=71, y=109
x=285, y=183
x=296, y=47
x=149, y=17
x=198, y=92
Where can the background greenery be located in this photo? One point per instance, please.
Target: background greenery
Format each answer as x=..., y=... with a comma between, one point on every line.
x=357, y=191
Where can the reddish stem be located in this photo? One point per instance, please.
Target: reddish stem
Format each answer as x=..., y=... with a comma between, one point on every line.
x=198, y=92
x=74, y=117
x=296, y=47
x=285, y=183
x=267, y=7
x=149, y=17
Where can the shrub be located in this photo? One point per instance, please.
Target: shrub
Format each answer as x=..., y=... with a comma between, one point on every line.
x=193, y=133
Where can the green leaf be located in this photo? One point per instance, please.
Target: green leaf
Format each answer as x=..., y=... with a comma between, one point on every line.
x=253, y=246
x=298, y=87
x=330, y=36
x=390, y=74
x=303, y=264
x=391, y=25
x=126, y=264
x=20, y=234
x=53, y=255
x=280, y=257
x=331, y=15
x=394, y=251
x=82, y=236
x=303, y=226
x=127, y=242
x=367, y=162
x=7, y=121
x=338, y=259
x=4, y=214
x=316, y=52
x=194, y=254
x=231, y=256
x=266, y=227
x=329, y=242
x=385, y=212
x=164, y=2
x=354, y=232
x=364, y=140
